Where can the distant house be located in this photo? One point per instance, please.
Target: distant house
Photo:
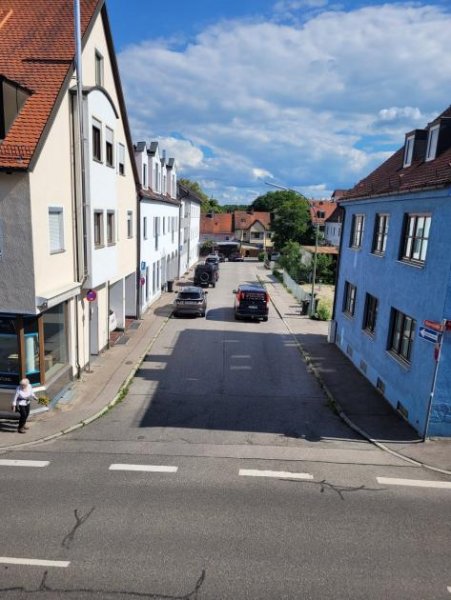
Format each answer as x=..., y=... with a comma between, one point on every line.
x=190, y=216
x=253, y=230
x=394, y=287
x=68, y=242
x=332, y=227
x=216, y=227
x=159, y=222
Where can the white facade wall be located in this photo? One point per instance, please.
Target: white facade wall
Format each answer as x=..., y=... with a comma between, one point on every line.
x=332, y=233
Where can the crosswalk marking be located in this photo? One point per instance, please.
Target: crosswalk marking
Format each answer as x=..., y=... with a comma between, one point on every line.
x=148, y=468
x=277, y=474
x=414, y=482
x=33, y=562
x=23, y=463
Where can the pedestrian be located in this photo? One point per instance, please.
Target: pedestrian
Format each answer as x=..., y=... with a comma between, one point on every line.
x=21, y=402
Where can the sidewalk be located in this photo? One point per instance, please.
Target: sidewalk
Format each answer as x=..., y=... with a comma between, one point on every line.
x=356, y=400
x=96, y=391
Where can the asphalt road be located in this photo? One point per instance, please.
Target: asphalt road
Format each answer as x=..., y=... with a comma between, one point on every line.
x=222, y=475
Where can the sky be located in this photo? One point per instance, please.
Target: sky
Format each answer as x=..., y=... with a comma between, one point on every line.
x=308, y=95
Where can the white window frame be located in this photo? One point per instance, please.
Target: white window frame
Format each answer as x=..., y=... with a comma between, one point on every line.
x=129, y=224
x=101, y=241
x=56, y=224
x=408, y=152
x=111, y=227
x=431, y=151
x=99, y=71
x=121, y=159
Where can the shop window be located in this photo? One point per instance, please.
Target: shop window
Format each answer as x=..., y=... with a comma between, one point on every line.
x=55, y=340
x=9, y=352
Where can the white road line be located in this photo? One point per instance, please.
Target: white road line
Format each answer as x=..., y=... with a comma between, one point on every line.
x=240, y=368
x=33, y=562
x=414, y=482
x=24, y=463
x=277, y=474
x=151, y=468
x=449, y=589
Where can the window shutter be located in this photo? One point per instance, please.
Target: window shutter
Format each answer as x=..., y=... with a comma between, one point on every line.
x=56, y=229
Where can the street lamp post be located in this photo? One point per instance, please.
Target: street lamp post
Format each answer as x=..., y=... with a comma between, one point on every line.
x=318, y=215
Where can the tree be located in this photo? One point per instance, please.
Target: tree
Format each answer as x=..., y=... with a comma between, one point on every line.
x=272, y=200
x=291, y=222
x=208, y=204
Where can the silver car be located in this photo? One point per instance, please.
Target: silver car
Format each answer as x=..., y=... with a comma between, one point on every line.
x=191, y=300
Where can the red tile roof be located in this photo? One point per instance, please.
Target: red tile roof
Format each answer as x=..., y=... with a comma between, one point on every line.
x=393, y=178
x=325, y=206
x=37, y=52
x=220, y=223
x=244, y=220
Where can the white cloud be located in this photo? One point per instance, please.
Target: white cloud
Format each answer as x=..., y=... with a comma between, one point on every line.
x=322, y=103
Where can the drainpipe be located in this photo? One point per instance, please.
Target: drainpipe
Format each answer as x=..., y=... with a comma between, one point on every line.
x=80, y=177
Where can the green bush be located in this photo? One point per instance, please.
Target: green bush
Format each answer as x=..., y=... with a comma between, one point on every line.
x=261, y=256
x=323, y=312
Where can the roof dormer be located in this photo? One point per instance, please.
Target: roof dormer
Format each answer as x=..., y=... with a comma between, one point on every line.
x=439, y=138
x=12, y=99
x=414, y=146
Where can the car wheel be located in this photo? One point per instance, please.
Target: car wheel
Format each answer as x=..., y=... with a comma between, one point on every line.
x=204, y=277
x=237, y=317
x=175, y=314
x=265, y=319
x=202, y=314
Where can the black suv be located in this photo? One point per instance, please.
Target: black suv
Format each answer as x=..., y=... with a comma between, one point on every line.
x=206, y=274
x=251, y=302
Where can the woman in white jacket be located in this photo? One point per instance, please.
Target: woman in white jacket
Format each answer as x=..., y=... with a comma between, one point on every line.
x=21, y=402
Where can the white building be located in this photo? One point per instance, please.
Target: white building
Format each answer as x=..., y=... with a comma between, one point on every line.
x=68, y=244
x=189, y=228
x=159, y=222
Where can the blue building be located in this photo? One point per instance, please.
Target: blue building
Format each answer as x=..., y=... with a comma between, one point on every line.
x=392, y=311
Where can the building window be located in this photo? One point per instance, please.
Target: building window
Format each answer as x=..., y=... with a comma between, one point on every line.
x=110, y=227
x=129, y=224
x=357, y=231
x=96, y=140
x=402, y=335
x=144, y=175
x=121, y=159
x=56, y=230
x=156, y=230
x=349, y=299
x=408, y=151
x=380, y=234
x=109, y=145
x=145, y=228
x=431, y=151
x=98, y=228
x=416, y=236
x=157, y=179
x=98, y=68
x=370, y=315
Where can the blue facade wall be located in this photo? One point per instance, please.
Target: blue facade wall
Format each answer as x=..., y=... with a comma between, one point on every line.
x=421, y=292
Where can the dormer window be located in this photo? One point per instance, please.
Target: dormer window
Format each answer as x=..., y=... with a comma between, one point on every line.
x=431, y=151
x=408, y=151
x=12, y=98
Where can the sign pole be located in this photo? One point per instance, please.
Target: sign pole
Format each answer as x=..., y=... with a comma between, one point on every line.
x=434, y=381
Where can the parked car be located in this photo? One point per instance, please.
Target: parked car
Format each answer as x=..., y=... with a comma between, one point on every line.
x=212, y=259
x=190, y=300
x=251, y=302
x=235, y=257
x=206, y=274
x=221, y=257
x=275, y=256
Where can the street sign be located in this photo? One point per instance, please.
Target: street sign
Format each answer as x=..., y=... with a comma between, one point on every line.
x=429, y=335
x=436, y=326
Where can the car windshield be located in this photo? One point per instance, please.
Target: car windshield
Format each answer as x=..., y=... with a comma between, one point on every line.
x=189, y=295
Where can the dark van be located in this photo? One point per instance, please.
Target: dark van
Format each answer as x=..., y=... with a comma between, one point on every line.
x=251, y=302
